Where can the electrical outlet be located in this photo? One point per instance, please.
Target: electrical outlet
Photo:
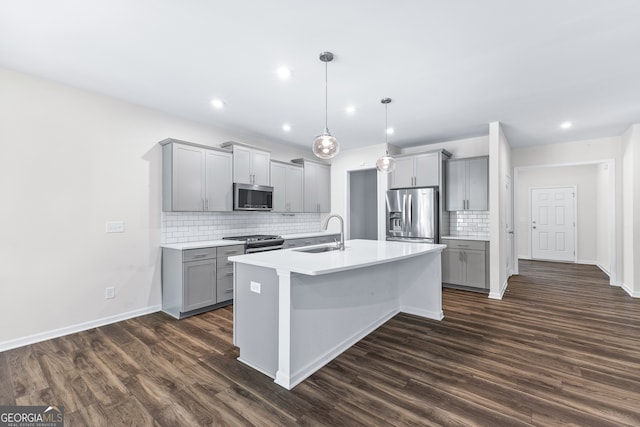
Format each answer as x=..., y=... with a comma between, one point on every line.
x=114, y=227
x=255, y=287
x=109, y=292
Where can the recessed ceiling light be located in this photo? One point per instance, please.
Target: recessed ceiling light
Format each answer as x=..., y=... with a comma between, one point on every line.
x=283, y=72
x=286, y=127
x=566, y=125
x=217, y=103
x=350, y=109
x=390, y=131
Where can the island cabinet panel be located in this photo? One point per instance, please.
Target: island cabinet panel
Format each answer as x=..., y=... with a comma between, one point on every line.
x=288, y=187
x=467, y=184
x=465, y=263
x=294, y=312
x=197, y=280
x=195, y=178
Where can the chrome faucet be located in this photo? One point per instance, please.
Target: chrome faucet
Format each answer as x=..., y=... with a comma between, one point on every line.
x=326, y=223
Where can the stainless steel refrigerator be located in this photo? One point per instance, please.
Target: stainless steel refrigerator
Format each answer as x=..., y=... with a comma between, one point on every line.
x=412, y=215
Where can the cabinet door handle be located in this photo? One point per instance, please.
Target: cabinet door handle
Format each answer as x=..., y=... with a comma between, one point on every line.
x=203, y=208
x=229, y=274
x=201, y=255
x=207, y=205
x=228, y=291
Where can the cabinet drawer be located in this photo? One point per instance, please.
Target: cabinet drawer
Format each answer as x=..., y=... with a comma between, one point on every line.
x=227, y=251
x=224, y=291
x=225, y=272
x=464, y=244
x=198, y=254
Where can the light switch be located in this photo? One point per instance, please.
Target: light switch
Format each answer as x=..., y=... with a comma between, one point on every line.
x=115, y=227
x=255, y=287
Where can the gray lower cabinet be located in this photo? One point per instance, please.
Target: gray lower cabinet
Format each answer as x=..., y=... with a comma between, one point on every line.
x=465, y=263
x=197, y=280
x=309, y=241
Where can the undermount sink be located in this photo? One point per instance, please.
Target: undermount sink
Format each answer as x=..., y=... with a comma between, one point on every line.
x=318, y=250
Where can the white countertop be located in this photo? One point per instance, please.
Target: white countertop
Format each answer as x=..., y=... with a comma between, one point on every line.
x=203, y=244
x=305, y=235
x=358, y=253
x=212, y=243
x=480, y=238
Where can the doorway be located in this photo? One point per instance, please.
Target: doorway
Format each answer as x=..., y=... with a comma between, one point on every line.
x=553, y=223
x=363, y=204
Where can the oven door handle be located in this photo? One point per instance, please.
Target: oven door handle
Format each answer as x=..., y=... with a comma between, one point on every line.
x=263, y=249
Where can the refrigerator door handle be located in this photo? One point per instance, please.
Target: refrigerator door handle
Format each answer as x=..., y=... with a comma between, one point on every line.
x=410, y=213
x=404, y=213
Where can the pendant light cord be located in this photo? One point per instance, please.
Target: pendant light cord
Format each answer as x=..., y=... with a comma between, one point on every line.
x=326, y=97
x=386, y=127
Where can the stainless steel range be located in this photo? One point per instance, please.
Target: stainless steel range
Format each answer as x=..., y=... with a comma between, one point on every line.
x=259, y=242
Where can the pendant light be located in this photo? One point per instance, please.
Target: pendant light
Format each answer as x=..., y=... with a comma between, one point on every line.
x=386, y=163
x=325, y=146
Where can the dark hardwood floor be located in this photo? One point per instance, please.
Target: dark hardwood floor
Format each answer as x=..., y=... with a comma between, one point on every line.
x=561, y=348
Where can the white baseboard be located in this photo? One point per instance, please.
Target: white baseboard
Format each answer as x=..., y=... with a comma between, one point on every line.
x=498, y=295
x=301, y=374
x=55, y=333
x=629, y=291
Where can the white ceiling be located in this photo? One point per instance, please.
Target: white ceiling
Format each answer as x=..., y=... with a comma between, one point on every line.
x=451, y=67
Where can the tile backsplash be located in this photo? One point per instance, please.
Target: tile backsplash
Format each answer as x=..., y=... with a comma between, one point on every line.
x=469, y=223
x=181, y=227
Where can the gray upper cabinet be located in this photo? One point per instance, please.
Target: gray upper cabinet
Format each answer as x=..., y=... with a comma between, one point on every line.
x=195, y=178
x=287, y=181
x=250, y=165
x=317, y=186
x=418, y=170
x=467, y=184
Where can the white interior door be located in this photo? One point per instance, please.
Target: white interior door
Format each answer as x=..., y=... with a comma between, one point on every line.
x=553, y=223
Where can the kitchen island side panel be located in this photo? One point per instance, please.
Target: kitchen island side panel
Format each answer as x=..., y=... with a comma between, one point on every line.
x=415, y=296
x=256, y=317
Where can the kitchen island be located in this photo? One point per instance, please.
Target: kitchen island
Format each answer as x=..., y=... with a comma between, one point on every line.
x=296, y=310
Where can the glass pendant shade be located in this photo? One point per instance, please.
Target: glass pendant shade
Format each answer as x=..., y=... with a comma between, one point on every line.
x=325, y=146
x=386, y=164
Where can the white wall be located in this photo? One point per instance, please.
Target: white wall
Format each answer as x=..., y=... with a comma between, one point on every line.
x=603, y=217
x=352, y=160
x=500, y=171
x=70, y=161
x=631, y=210
x=459, y=149
x=585, y=179
x=365, y=158
x=602, y=150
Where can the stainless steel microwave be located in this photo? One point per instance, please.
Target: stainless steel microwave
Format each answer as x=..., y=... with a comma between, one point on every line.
x=249, y=197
